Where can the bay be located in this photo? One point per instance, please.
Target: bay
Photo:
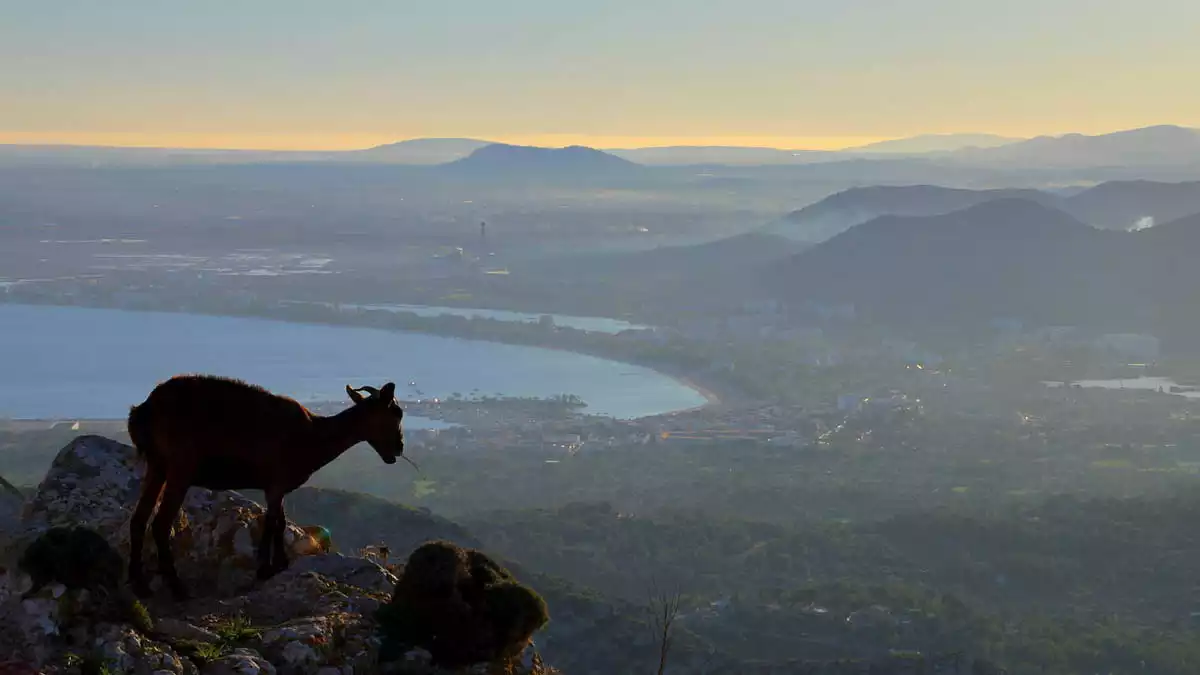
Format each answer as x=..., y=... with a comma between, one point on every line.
x=76, y=362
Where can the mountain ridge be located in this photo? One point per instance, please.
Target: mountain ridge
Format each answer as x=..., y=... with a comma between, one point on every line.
x=1111, y=205
x=1003, y=258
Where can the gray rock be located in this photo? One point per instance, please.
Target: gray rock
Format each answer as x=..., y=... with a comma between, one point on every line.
x=357, y=572
x=182, y=630
x=240, y=662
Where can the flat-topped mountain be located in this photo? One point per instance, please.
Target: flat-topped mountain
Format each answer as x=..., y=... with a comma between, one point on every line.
x=571, y=160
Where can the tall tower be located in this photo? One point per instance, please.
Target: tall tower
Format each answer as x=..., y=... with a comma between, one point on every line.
x=483, y=239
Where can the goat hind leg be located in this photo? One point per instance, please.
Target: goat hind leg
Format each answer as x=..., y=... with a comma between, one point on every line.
x=152, y=486
x=279, y=557
x=168, y=510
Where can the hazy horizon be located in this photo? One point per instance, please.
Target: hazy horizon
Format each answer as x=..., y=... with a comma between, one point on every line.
x=793, y=75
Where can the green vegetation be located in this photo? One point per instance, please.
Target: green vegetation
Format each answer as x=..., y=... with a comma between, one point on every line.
x=231, y=631
x=77, y=557
x=91, y=664
x=461, y=606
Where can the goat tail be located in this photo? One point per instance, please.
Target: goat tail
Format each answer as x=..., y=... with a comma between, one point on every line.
x=140, y=432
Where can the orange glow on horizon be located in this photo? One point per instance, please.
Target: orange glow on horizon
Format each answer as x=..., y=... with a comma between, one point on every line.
x=332, y=142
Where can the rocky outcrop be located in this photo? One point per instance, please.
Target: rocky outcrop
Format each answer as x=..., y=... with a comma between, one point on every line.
x=57, y=616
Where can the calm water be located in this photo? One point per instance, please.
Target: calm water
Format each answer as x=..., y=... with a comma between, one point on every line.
x=95, y=363
x=1145, y=383
x=596, y=324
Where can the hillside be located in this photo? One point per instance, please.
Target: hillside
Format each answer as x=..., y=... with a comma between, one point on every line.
x=699, y=274
x=1005, y=258
x=1008, y=257
x=1122, y=205
x=1112, y=205
x=841, y=211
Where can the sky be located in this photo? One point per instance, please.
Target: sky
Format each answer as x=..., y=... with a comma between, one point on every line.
x=303, y=74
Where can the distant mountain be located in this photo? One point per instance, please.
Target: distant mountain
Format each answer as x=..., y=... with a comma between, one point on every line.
x=1114, y=205
x=1157, y=145
x=104, y=156
x=419, y=151
x=1123, y=205
x=502, y=159
x=841, y=211
x=1005, y=258
x=686, y=155
x=928, y=143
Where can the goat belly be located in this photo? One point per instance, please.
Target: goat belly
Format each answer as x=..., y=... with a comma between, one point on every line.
x=224, y=473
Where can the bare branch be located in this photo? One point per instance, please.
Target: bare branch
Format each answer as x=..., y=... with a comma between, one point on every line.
x=664, y=610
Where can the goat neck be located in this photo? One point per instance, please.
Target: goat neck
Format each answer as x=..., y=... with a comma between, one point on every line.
x=334, y=435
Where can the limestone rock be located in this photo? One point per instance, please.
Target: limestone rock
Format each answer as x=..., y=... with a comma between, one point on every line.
x=95, y=482
x=357, y=572
x=316, y=618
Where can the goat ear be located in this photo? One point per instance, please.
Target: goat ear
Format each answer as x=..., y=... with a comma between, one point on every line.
x=388, y=392
x=354, y=395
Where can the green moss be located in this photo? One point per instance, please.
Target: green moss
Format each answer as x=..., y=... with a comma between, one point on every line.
x=461, y=606
x=139, y=616
x=76, y=557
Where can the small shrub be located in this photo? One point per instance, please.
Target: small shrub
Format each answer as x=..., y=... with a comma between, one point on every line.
x=461, y=606
x=201, y=653
x=236, y=629
x=139, y=617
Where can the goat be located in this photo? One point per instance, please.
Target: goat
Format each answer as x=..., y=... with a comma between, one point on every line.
x=224, y=434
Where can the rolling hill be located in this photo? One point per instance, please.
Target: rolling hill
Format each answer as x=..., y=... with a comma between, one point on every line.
x=1123, y=205
x=1004, y=258
x=1114, y=205
x=841, y=211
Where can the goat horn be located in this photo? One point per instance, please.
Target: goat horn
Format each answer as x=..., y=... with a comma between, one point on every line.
x=371, y=390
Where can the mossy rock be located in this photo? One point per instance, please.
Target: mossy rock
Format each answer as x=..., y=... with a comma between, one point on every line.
x=461, y=606
x=76, y=557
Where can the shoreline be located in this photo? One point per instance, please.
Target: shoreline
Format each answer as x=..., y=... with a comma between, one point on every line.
x=688, y=380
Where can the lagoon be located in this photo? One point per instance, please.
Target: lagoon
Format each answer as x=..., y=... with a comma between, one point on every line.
x=76, y=362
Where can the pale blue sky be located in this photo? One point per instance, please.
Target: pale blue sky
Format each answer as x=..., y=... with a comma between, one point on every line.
x=301, y=73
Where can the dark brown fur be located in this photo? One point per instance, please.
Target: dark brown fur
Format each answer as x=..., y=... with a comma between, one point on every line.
x=224, y=434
